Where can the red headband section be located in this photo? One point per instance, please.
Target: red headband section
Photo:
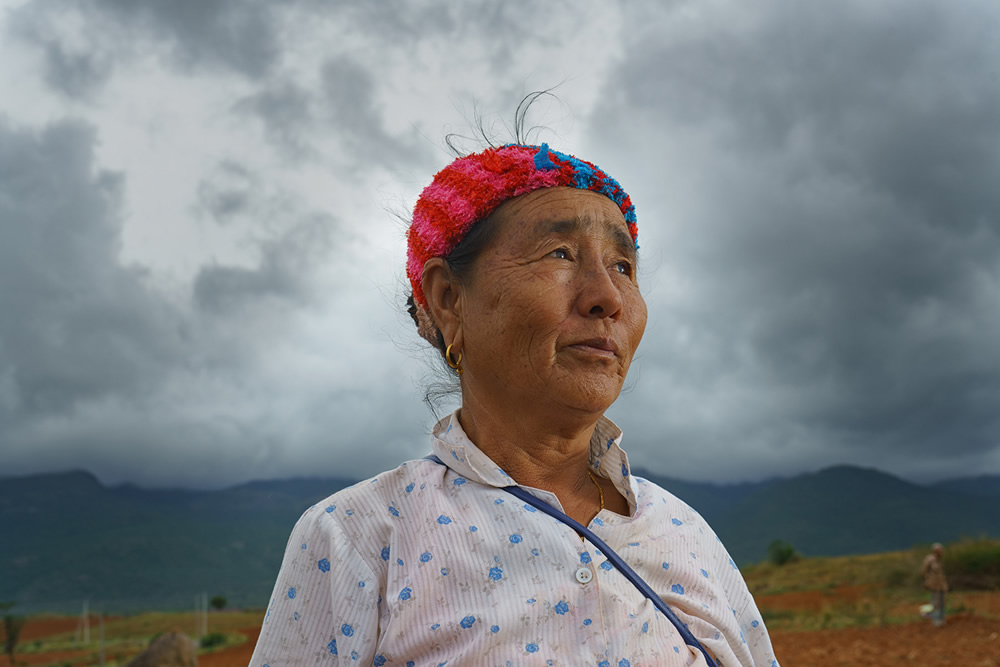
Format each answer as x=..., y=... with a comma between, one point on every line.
x=469, y=189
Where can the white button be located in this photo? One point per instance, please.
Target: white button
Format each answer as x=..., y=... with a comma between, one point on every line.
x=584, y=575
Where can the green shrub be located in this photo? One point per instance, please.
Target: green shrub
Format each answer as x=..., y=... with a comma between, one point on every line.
x=781, y=553
x=973, y=564
x=213, y=639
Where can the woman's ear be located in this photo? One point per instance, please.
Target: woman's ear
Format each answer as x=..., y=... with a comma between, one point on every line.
x=442, y=292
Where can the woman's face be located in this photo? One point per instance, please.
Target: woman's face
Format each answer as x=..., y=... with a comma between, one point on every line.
x=552, y=314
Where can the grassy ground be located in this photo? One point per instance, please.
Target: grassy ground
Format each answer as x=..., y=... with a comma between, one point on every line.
x=124, y=636
x=810, y=594
x=876, y=589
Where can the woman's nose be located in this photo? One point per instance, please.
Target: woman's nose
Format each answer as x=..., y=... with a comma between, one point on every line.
x=598, y=294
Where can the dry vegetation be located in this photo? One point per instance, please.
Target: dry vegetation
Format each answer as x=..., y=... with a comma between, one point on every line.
x=853, y=610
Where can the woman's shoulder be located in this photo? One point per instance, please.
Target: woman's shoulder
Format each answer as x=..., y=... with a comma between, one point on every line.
x=375, y=500
x=656, y=498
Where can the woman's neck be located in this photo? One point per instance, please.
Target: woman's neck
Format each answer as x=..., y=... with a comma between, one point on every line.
x=540, y=453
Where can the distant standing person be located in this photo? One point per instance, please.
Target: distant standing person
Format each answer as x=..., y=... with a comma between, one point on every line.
x=935, y=582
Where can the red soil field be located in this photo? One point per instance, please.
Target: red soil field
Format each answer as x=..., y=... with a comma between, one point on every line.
x=967, y=639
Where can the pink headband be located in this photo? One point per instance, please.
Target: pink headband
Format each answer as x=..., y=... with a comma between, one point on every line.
x=469, y=189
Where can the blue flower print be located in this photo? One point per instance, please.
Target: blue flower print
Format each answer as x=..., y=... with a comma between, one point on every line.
x=604, y=663
x=606, y=565
x=361, y=584
x=393, y=511
x=332, y=647
x=530, y=508
x=291, y=593
x=323, y=565
x=666, y=565
x=295, y=616
x=587, y=621
x=459, y=482
x=496, y=574
x=531, y=600
x=409, y=487
x=406, y=593
x=645, y=627
x=303, y=546
x=379, y=660
x=624, y=663
x=754, y=624
x=410, y=663
x=531, y=648
x=435, y=626
x=585, y=558
x=426, y=556
x=399, y=562
x=354, y=656
x=677, y=588
x=677, y=522
x=495, y=629
x=347, y=630
x=598, y=521
x=515, y=538
x=467, y=622
x=385, y=553
x=624, y=470
x=444, y=572
x=704, y=574
x=444, y=520
x=473, y=529
x=330, y=509
x=534, y=552
x=349, y=512
x=561, y=607
x=498, y=501
x=677, y=650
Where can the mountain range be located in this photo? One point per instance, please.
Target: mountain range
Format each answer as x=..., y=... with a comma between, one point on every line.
x=66, y=538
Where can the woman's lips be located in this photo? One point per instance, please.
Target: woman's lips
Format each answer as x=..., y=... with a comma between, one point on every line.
x=601, y=347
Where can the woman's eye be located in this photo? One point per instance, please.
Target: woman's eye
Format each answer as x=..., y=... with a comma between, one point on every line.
x=624, y=268
x=561, y=253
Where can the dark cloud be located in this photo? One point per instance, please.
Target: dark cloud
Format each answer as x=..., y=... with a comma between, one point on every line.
x=228, y=193
x=351, y=109
x=81, y=41
x=283, y=273
x=238, y=35
x=287, y=112
x=77, y=324
x=832, y=222
x=101, y=369
x=344, y=107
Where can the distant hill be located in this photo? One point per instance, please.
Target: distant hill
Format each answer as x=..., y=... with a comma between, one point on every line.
x=65, y=537
x=984, y=485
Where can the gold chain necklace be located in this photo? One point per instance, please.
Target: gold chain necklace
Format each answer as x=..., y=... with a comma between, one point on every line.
x=599, y=489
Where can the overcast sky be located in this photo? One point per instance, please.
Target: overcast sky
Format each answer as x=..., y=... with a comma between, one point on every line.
x=201, y=259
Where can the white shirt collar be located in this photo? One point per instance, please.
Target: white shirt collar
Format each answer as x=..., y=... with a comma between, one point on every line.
x=450, y=443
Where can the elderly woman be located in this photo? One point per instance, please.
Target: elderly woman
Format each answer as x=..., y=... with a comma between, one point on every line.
x=502, y=548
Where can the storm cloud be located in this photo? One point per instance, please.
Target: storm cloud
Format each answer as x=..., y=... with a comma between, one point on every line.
x=201, y=253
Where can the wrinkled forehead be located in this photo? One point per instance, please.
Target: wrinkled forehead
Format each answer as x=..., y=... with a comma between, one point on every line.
x=565, y=212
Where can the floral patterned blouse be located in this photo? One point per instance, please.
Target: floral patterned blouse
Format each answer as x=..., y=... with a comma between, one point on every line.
x=437, y=565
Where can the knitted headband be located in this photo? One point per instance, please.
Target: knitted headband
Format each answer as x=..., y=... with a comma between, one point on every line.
x=472, y=187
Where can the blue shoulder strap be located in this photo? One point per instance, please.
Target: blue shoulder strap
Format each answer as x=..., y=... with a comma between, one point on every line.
x=612, y=556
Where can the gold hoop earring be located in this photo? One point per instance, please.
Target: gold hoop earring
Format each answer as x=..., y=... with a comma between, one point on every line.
x=454, y=363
